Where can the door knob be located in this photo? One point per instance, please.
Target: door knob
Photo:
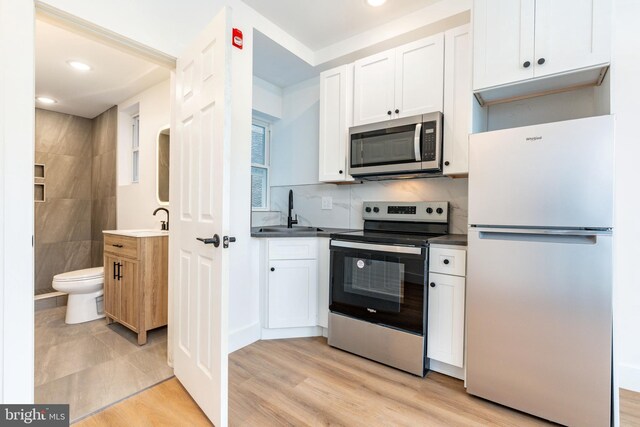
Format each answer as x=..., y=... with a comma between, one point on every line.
x=389, y=112
x=273, y=269
x=226, y=240
x=446, y=262
x=432, y=284
x=526, y=64
x=541, y=61
x=215, y=240
x=397, y=111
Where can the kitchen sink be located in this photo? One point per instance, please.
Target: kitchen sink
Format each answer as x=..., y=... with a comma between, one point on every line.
x=284, y=229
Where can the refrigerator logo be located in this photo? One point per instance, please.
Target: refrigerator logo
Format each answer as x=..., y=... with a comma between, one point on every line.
x=371, y=310
x=533, y=138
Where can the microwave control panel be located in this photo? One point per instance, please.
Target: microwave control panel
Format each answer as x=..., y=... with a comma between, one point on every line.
x=406, y=211
x=429, y=141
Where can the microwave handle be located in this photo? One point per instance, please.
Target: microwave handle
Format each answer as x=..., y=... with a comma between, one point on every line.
x=416, y=142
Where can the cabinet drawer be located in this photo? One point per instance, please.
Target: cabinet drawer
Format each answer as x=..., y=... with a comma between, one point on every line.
x=447, y=261
x=293, y=248
x=124, y=246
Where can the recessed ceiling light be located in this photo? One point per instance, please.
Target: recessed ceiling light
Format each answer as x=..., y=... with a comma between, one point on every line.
x=46, y=100
x=80, y=66
x=376, y=3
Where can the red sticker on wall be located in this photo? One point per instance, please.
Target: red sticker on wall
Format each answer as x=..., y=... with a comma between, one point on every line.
x=236, y=38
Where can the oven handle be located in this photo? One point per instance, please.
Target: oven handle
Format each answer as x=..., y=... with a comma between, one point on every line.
x=416, y=142
x=376, y=247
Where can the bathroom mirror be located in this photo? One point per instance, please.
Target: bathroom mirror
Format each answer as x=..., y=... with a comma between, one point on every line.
x=164, y=139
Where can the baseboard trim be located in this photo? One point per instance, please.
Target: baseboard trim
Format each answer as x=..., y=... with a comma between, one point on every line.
x=277, y=334
x=244, y=336
x=446, y=369
x=628, y=377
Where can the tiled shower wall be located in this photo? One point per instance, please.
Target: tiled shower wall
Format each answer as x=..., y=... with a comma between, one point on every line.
x=103, y=180
x=79, y=198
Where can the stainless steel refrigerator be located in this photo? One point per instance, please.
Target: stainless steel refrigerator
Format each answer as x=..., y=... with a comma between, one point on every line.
x=538, y=313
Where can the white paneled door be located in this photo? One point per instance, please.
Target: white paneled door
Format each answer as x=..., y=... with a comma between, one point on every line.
x=200, y=197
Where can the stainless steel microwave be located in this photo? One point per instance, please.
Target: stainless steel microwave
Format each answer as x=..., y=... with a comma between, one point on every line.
x=411, y=146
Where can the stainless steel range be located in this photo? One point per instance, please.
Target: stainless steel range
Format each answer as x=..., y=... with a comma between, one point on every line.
x=378, y=297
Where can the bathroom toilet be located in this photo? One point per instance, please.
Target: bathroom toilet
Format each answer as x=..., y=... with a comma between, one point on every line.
x=85, y=289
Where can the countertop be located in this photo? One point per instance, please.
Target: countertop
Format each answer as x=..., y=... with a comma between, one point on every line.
x=318, y=232
x=137, y=233
x=450, y=239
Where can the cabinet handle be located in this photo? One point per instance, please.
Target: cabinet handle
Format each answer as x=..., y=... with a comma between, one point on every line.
x=389, y=112
x=117, y=245
x=432, y=284
x=119, y=271
x=446, y=163
x=340, y=172
x=526, y=64
x=273, y=269
x=397, y=111
x=541, y=61
x=115, y=275
x=446, y=262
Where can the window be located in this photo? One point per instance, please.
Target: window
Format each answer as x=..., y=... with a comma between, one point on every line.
x=135, y=150
x=260, y=134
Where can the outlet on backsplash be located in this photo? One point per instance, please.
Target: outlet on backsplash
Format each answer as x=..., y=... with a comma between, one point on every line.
x=327, y=203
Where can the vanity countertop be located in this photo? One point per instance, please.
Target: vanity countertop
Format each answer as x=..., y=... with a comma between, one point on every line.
x=137, y=233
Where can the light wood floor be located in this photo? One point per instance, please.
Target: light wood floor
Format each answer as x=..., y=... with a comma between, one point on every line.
x=305, y=382
x=629, y=408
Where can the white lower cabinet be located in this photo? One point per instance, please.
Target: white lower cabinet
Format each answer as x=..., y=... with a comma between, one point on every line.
x=295, y=287
x=445, y=341
x=446, y=307
x=292, y=293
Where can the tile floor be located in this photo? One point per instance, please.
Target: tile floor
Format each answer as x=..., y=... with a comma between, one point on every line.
x=92, y=365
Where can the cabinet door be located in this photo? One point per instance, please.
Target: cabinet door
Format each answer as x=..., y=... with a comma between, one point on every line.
x=503, y=41
x=292, y=293
x=336, y=111
x=445, y=340
x=111, y=287
x=458, y=100
x=571, y=34
x=419, y=77
x=373, y=88
x=129, y=294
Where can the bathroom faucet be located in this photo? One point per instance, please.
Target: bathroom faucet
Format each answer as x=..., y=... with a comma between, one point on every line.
x=165, y=224
x=291, y=221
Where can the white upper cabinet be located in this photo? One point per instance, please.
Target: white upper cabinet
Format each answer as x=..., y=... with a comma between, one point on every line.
x=374, y=88
x=336, y=108
x=458, y=101
x=516, y=40
x=401, y=82
x=571, y=34
x=419, y=74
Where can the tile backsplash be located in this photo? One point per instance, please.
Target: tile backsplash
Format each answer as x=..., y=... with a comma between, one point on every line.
x=347, y=201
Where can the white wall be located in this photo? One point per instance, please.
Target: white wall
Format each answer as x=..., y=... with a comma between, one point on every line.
x=294, y=138
x=136, y=202
x=267, y=100
x=625, y=92
x=17, y=111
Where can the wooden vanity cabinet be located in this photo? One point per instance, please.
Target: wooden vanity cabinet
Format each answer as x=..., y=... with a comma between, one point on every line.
x=135, y=282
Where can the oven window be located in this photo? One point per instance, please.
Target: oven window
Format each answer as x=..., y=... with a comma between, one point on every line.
x=380, y=287
x=375, y=278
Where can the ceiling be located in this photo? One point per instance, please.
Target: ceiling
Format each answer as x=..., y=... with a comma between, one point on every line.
x=115, y=76
x=277, y=65
x=321, y=23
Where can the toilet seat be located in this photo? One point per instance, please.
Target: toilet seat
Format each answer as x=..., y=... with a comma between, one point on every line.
x=78, y=275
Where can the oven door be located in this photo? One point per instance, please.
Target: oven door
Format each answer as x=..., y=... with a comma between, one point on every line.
x=382, y=284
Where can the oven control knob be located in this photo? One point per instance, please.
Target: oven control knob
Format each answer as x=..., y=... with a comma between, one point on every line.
x=367, y=209
x=376, y=210
x=429, y=210
x=439, y=211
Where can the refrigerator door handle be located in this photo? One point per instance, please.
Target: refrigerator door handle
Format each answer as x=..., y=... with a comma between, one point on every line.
x=589, y=237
